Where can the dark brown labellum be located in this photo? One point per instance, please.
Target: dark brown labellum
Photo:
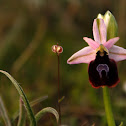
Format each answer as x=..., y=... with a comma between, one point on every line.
x=103, y=71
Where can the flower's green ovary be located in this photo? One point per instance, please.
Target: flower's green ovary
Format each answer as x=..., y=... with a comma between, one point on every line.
x=23, y=96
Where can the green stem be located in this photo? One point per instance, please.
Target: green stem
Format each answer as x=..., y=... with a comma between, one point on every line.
x=108, y=107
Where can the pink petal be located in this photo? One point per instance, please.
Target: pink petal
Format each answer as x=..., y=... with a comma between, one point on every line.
x=96, y=32
x=102, y=30
x=85, y=55
x=99, y=31
x=111, y=42
x=91, y=42
x=117, y=53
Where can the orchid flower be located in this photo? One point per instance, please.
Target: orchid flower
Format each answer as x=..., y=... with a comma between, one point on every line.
x=101, y=55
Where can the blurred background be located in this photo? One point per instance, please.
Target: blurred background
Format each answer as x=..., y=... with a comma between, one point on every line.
x=28, y=29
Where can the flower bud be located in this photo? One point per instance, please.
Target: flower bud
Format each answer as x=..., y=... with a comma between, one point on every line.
x=54, y=48
x=57, y=49
x=111, y=24
x=100, y=16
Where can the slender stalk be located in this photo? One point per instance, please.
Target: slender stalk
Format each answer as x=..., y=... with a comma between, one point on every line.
x=59, y=108
x=108, y=107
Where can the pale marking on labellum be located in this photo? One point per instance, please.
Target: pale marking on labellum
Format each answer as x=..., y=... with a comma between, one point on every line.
x=102, y=67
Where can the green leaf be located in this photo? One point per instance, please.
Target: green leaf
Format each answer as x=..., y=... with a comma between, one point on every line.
x=4, y=114
x=61, y=99
x=23, y=96
x=47, y=110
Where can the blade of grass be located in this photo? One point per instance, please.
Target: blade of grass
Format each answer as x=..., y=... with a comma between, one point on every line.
x=32, y=104
x=47, y=110
x=40, y=32
x=1, y=124
x=38, y=100
x=21, y=120
x=18, y=25
x=23, y=96
x=4, y=114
